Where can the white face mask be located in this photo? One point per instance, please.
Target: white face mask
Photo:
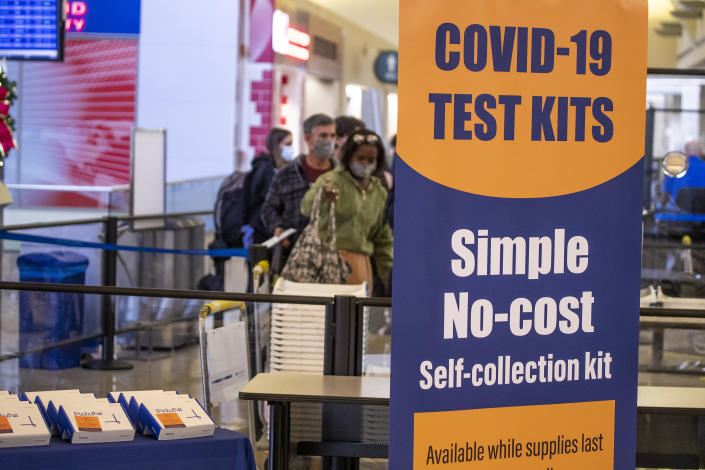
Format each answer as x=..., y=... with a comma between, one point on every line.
x=361, y=171
x=288, y=152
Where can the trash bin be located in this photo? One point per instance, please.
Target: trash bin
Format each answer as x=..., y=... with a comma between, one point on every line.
x=49, y=317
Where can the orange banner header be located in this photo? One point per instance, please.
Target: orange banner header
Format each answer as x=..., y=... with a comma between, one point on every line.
x=513, y=103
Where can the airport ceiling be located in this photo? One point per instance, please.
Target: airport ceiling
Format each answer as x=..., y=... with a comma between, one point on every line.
x=382, y=16
x=377, y=16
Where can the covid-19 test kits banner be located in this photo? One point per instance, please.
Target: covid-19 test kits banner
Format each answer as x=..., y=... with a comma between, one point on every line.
x=518, y=234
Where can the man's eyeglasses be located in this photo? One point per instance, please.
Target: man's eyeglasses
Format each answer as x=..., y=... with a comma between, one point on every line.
x=362, y=138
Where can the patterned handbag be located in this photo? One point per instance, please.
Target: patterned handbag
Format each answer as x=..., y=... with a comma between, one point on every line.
x=314, y=260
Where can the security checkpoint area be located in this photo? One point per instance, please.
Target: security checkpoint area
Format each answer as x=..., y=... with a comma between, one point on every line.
x=158, y=347
x=212, y=240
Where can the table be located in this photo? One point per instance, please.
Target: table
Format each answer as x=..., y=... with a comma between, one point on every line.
x=281, y=389
x=284, y=387
x=671, y=400
x=692, y=318
x=224, y=450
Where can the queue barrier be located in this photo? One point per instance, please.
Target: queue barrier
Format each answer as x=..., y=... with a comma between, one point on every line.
x=109, y=291
x=109, y=250
x=22, y=237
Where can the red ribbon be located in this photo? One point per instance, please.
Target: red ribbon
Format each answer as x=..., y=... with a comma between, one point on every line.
x=6, y=139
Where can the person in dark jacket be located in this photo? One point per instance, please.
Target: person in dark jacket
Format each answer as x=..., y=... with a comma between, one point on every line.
x=279, y=153
x=282, y=206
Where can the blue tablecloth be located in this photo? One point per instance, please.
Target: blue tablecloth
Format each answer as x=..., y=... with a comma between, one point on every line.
x=224, y=450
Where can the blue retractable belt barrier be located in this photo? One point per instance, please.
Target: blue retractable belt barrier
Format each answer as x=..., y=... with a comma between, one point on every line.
x=222, y=253
x=678, y=217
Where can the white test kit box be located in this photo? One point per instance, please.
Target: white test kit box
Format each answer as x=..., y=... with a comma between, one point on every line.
x=84, y=421
x=32, y=396
x=136, y=406
x=114, y=397
x=131, y=402
x=52, y=409
x=170, y=418
x=22, y=424
x=43, y=399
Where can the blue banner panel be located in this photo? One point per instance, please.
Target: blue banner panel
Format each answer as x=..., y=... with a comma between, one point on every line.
x=103, y=16
x=518, y=234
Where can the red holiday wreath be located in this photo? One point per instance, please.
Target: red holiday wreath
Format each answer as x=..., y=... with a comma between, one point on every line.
x=7, y=124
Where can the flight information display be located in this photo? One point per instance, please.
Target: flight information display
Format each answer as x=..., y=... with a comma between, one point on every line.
x=31, y=29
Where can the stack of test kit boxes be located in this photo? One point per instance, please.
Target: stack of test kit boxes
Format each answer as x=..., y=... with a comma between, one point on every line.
x=81, y=418
x=166, y=415
x=21, y=423
x=30, y=419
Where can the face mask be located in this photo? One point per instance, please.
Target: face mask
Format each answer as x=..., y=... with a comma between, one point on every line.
x=323, y=149
x=361, y=171
x=288, y=152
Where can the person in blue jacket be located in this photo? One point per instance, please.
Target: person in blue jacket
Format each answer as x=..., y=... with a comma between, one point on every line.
x=693, y=178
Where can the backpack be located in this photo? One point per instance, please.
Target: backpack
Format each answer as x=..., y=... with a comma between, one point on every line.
x=230, y=212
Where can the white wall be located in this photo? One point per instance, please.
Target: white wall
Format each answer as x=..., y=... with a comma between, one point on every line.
x=321, y=97
x=360, y=46
x=186, y=82
x=662, y=50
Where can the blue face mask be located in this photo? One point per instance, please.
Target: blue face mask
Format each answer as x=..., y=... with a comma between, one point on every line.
x=288, y=152
x=361, y=171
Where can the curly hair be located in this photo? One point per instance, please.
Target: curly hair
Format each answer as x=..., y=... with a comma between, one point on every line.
x=351, y=147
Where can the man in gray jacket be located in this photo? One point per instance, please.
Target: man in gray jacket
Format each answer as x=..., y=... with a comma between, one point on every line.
x=282, y=207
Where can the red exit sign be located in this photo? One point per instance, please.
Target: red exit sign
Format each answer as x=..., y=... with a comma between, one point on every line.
x=75, y=16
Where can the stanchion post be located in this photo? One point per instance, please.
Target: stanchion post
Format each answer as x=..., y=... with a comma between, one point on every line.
x=219, y=264
x=109, y=278
x=342, y=356
x=257, y=253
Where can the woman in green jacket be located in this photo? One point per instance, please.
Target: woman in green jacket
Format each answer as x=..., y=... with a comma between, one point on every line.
x=361, y=226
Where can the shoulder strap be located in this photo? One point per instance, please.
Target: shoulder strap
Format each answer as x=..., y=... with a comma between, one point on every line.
x=316, y=207
x=331, y=227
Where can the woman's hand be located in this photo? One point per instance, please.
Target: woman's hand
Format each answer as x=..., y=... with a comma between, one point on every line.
x=330, y=191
